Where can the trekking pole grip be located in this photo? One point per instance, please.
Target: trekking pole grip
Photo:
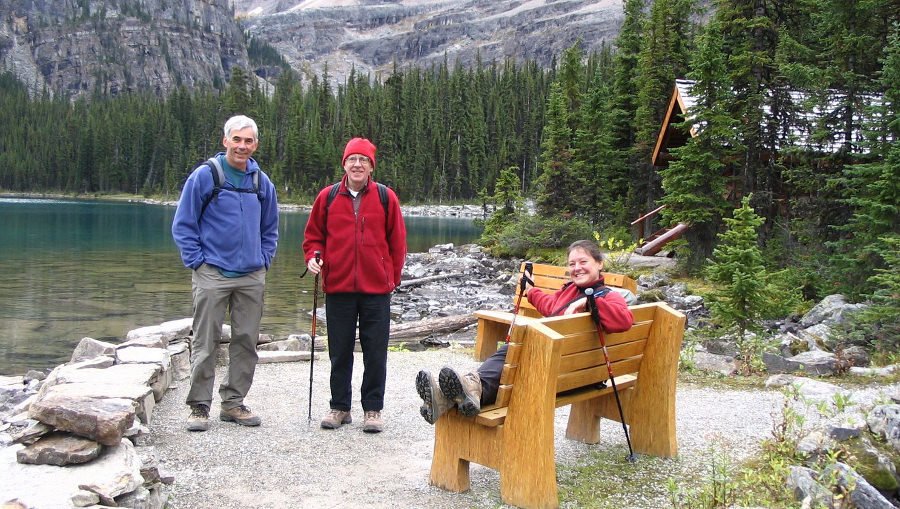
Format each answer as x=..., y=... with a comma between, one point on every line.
x=529, y=269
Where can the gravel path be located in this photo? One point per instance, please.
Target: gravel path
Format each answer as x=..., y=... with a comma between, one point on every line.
x=288, y=462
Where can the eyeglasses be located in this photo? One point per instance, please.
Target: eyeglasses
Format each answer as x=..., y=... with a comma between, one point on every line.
x=362, y=160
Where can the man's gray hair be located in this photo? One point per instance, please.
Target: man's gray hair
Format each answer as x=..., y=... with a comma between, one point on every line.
x=238, y=122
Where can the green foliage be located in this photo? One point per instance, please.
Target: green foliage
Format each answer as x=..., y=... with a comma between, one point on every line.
x=694, y=181
x=872, y=192
x=618, y=248
x=508, y=199
x=531, y=234
x=737, y=266
x=878, y=326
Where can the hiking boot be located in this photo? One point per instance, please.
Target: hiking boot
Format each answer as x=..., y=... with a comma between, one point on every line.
x=373, y=423
x=436, y=404
x=464, y=390
x=241, y=415
x=336, y=418
x=199, y=418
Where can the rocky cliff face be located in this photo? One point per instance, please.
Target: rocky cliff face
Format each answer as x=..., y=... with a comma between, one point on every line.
x=370, y=35
x=76, y=47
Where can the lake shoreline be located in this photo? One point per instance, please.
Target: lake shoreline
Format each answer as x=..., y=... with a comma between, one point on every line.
x=462, y=210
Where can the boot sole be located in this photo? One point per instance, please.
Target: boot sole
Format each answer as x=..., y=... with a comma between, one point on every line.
x=198, y=426
x=242, y=422
x=423, y=387
x=452, y=387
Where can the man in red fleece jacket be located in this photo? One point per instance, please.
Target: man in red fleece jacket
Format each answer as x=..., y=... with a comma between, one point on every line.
x=468, y=392
x=363, y=246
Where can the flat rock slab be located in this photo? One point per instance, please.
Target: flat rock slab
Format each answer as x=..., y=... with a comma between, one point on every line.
x=59, y=449
x=141, y=395
x=141, y=374
x=169, y=330
x=144, y=374
x=103, y=420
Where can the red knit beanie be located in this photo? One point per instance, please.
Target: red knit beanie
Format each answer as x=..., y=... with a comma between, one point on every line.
x=360, y=146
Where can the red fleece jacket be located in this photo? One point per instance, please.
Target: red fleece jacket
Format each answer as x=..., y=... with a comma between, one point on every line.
x=362, y=252
x=614, y=313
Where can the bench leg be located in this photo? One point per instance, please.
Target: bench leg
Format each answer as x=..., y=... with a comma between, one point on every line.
x=488, y=334
x=528, y=475
x=448, y=470
x=584, y=422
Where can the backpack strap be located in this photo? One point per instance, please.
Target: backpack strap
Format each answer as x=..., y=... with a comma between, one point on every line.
x=599, y=292
x=218, y=177
x=382, y=194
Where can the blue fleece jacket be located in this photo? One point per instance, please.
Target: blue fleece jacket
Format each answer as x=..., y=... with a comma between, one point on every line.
x=238, y=231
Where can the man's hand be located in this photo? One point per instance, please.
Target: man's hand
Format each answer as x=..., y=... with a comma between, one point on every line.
x=314, y=266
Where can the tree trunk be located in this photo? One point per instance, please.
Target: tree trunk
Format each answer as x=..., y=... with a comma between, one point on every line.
x=428, y=326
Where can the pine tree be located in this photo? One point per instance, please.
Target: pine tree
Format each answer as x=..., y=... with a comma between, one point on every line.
x=237, y=95
x=508, y=198
x=662, y=59
x=737, y=266
x=873, y=190
x=555, y=181
x=694, y=184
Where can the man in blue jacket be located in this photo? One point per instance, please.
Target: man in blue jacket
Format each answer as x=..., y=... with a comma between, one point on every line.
x=226, y=228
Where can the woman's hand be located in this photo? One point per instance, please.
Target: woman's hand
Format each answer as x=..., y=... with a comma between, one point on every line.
x=576, y=307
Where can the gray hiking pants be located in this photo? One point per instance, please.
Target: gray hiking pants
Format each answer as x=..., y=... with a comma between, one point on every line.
x=213, y=293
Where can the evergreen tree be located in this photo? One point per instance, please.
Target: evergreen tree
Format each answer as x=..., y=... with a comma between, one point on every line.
x=508, y=198
x=873, y=190
x=236, y=100
x=737, y=266
x=662, y=59
x=556, y=182
x=623, y=100
x=694, y=183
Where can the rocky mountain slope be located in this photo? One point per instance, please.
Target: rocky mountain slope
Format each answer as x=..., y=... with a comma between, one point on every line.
x=74, y=48
x=371, y=35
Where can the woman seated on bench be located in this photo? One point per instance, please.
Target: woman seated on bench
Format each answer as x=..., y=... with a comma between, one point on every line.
x=472, y=390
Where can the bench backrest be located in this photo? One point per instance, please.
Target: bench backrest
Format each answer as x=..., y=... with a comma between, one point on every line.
x=551, y=278
x=581, y=360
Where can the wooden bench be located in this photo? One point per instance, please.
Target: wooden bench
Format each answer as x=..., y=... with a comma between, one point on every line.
x=557, y=361
x=493, y=325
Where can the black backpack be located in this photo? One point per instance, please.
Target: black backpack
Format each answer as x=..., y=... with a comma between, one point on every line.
x=219, y=178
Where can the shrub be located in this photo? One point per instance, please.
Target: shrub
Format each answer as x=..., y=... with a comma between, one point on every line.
x=532, y=234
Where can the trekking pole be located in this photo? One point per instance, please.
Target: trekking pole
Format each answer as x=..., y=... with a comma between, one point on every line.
x=527, y=270
x=595, y=315
x=312, y=341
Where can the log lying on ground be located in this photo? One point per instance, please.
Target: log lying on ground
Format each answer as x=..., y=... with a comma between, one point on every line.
x=429, y=279
x=422, y=328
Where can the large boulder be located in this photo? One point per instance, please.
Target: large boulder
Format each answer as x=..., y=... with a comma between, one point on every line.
x=884, y=420
x=89, y=348
x=59, y=449
x=103, y=420
x=831, y=310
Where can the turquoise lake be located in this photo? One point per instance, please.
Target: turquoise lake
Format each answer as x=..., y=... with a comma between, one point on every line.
x=74, y=269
